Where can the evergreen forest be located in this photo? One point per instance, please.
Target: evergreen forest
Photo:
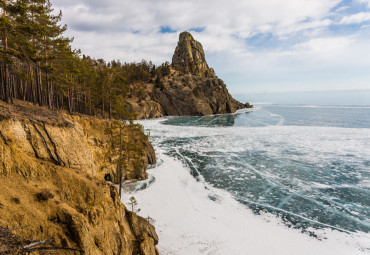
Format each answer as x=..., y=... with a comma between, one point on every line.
x=39, y=65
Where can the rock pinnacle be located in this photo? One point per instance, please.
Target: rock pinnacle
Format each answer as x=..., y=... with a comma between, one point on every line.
x=189, y=57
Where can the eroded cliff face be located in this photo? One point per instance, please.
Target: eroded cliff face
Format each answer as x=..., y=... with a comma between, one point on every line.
x=194, y=95
x=52, y=170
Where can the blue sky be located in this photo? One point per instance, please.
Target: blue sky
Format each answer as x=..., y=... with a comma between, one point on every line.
x=254, y=45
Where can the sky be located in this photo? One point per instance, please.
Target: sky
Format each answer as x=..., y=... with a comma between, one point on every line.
x=254, y=45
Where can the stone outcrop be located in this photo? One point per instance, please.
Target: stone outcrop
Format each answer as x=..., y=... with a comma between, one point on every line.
x=194, y=95
x=190, y=88
x=144, y=109
x=189, y=57
x=52, y=169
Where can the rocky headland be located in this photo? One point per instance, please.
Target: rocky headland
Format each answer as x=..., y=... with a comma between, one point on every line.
x=189, y=88
x=53, y=167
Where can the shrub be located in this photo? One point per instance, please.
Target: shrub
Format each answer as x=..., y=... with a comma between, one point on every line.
x=15, y=200
x=44, y=195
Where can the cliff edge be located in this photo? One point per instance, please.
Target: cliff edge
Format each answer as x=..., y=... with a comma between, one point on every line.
x=52, y=171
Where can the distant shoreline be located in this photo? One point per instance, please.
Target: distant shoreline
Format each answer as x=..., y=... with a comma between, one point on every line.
x=325, y=98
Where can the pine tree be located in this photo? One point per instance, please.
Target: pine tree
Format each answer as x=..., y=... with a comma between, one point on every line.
x=6, y=60
x=126, y=147
x=133, y=203
x=38, y=64
x=118, y=150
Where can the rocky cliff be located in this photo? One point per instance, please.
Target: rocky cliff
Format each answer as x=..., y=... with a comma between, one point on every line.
x=195, y=95
x=52, y=169
x=190, y=87
x=189, y=57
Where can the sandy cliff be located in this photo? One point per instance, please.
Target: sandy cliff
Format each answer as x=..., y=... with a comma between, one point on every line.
x=52, y=170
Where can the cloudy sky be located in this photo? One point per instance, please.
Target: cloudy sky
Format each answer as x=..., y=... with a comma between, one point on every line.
x=253, y=45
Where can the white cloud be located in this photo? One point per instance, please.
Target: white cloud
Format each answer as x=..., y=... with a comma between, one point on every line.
x=323, y=47
x=356, y=18
x=226, y=23
x=129, y=31
x=342, y=9
x=316, y=64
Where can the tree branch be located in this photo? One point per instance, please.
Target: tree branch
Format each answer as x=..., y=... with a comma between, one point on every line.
x=18, y=228
x=36, y=243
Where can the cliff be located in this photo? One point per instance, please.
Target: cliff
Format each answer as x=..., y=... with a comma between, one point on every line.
x=189, y=57
x=187, y=94
x=52, y=169
x=190, y=87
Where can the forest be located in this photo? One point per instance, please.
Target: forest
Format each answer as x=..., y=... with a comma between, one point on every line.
x=39, y=65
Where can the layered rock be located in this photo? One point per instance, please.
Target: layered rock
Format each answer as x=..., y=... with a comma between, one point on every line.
x=52, y=170
x=189, y=57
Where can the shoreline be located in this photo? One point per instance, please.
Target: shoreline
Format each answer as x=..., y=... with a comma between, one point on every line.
x=188, y=221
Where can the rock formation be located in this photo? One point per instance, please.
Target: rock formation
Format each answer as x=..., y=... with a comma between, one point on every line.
x=52, y=169
x=191, y=88
x=189, y=57
x=195, y=95
x=144, y=109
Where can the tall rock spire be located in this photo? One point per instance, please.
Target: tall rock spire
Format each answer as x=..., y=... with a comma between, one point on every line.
x=189, y=57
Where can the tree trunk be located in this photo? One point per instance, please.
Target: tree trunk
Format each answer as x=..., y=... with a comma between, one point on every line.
x=50, y=93
x=39, y=84
x=110, y=110
x=90, y=102
x=103, y=108
x=2, y=94
x=23, y=92
x=6, y=71
x=70, y=100
x=120, y=179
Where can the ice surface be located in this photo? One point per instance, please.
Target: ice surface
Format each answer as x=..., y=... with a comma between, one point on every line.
x=188, y=222
x=304, y=167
